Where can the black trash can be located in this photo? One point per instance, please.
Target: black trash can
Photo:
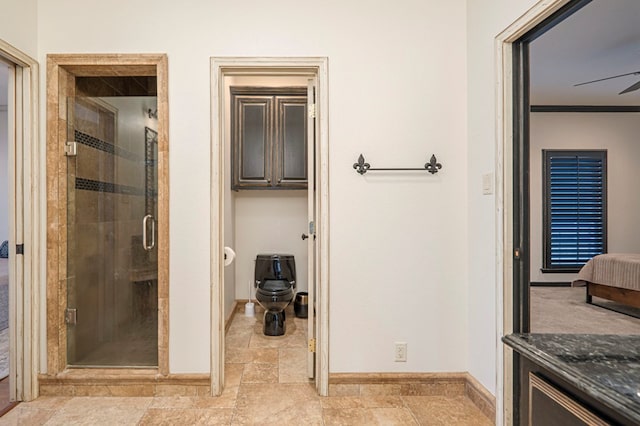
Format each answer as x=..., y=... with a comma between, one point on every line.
x=301, y=304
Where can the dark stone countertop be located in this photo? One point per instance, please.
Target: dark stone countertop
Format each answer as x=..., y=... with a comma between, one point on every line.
x=605, y=367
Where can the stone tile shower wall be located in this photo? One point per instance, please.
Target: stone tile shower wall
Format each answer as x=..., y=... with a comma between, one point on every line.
x=106, y=195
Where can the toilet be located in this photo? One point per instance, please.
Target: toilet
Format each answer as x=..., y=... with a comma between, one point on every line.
x=275, y=283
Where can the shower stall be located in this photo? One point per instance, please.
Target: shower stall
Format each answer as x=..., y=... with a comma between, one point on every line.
x=112, y=255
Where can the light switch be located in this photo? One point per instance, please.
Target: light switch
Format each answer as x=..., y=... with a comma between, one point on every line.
x=487, y=183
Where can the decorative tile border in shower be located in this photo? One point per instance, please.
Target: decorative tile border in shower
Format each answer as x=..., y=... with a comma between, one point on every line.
x=99, y=186
x=107, y=147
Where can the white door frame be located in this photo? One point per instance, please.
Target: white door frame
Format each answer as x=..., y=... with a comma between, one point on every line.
x=504, y=196
x=221, y=67
x=24, y=227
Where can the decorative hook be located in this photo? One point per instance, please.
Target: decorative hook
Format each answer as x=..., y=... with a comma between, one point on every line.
x=361, y=167
x=433, y=166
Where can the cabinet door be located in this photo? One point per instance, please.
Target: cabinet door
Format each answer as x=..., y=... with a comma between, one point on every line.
x=252, y=131
x=291, y=154
x=549, y=406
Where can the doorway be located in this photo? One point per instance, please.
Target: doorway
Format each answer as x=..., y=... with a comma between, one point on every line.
x=513, y=147
x=309, y=73
x=107, y=173
x=5, y=70
x=582, y=139
x=21, y=219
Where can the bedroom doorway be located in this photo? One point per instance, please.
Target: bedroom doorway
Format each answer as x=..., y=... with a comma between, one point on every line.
x=521, y=164
x=516, y=105
x=586, y=130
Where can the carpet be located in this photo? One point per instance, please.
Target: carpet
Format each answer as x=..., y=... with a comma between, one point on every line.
x=4, y=318
x=4, y=353
x=564, y=310
x=4, y=294
x=4, y=303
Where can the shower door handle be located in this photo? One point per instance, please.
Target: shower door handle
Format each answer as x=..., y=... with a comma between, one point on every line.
x=146, y=246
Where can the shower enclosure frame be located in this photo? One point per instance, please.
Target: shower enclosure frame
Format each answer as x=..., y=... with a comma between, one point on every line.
x=62, y=69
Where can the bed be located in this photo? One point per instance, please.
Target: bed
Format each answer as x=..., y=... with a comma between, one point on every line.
x=612, y=276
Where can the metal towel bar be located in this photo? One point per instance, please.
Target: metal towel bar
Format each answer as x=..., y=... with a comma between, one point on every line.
x=361, y=167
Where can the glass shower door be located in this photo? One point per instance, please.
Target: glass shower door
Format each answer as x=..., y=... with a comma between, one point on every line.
x=112, y=268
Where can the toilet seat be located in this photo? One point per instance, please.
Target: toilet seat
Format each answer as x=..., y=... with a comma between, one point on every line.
x=275, y=286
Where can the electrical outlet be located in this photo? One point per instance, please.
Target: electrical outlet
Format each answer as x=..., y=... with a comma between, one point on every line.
x=401, y=352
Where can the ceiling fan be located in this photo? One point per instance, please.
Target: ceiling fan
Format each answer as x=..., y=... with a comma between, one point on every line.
x=631, y=88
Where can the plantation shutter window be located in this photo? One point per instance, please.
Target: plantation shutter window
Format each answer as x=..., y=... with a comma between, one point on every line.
x=574, y=208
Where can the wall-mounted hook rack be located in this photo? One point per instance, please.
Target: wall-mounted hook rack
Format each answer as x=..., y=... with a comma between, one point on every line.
x=432, y=166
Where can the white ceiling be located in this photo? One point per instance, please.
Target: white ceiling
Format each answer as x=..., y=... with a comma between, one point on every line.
x=600, y=40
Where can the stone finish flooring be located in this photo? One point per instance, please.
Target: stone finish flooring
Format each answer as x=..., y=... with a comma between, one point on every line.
x=265, y=383
x=4, y=334
x=4, y=318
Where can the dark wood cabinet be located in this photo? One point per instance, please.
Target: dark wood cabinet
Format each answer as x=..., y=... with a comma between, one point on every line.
x=546, y=399
x=575, y=379
x=550, y=406
x=268, y=138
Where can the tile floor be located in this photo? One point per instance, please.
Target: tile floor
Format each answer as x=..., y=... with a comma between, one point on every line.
x=265, y=383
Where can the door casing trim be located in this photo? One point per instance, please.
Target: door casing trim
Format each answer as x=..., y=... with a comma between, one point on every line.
x=60, y=68
x=24, y=304
x=503, y=48
x=224, y=66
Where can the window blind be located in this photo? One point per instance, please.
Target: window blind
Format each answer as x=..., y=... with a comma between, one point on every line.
x=575, y=207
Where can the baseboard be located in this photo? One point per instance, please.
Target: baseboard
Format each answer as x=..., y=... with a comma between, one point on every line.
x=549, y=284
x=480, y=396
x=414, y=384
x=126, y=382
x=229, y=318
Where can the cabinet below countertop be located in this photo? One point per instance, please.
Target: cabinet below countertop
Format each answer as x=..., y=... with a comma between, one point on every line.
x=577, y=379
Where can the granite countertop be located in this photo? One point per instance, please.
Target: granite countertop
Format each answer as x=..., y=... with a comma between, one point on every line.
x=606, y=367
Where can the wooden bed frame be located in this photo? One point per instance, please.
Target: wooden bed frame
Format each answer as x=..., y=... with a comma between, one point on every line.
x=621, y=295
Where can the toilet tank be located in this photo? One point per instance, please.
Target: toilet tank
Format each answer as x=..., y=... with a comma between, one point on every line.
x=275, y=267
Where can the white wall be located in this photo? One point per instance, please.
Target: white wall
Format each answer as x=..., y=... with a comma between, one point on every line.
x=485, y=20
x=18, y=25
x=132, y=118
x=398, y=91
x=4, y=173
x=269, y=222
x=618, y=134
